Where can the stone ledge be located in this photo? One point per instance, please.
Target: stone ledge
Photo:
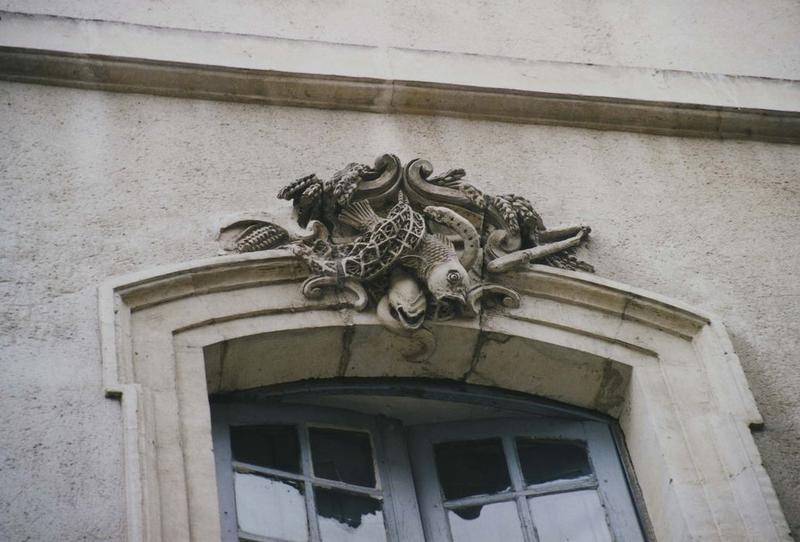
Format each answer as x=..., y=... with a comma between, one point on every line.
x=209, y=65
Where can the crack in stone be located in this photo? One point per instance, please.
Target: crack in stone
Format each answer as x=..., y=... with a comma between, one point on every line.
x=347, y=345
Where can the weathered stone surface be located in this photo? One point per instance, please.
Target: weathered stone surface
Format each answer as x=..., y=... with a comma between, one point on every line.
x=708, y=222
x=264, y=360
x=667, y=372
x=710, y=37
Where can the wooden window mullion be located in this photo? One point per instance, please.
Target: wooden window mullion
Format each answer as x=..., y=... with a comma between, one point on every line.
x=222, y=449
x=308, y=472
x=518, y=485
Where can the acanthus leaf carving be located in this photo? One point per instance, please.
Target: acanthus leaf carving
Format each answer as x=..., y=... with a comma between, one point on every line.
x=419, y=246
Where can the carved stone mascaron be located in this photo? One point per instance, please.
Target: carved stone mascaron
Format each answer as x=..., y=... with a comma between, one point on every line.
x=419, y=246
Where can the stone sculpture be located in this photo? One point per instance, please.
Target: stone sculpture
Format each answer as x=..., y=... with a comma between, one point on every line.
x=419, y=246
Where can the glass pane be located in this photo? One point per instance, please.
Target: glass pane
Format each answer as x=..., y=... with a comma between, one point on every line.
x=351, y=518
x=471, y=467
x=543, y=460
x=345, y=456
x=577, y=516
x=270, y=507
x=274, y=446
x=498, y=521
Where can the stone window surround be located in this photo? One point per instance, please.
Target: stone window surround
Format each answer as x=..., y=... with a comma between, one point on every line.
x=666, y=371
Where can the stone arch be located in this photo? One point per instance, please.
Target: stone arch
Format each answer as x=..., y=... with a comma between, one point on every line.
x=665, y=371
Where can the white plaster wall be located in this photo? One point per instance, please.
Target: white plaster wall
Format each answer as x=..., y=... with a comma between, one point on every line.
x=95, y=184
x=737, y=37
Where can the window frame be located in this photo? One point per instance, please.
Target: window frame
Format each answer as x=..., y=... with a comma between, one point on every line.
x=608, y=478
x=405, y=450
x=393, y=483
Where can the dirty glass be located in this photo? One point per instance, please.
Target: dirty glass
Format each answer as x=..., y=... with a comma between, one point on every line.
x=271, y=507
x=498, y=521
x=577, y=516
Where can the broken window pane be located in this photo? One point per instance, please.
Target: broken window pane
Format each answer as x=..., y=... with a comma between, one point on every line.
x=471, y=467
x=273, y=446
x=544, y=461
x=344, y=517
x=345, y=456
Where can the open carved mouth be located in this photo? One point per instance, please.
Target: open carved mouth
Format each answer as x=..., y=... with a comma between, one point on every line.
x=409, y=321
x=448, y=306
x=454, y=299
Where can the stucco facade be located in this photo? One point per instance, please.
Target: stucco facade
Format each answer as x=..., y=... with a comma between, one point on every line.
x=98, y=184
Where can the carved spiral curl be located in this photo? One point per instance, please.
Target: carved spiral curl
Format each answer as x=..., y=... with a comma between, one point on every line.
x=509, y=298
x=314, y=288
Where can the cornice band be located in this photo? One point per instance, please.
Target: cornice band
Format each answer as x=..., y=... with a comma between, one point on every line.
x=182, y=63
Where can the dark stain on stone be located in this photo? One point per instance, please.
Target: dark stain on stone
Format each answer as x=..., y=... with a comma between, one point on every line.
x=610, y=396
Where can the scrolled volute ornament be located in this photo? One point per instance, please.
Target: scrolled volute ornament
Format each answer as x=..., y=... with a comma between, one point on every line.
x=418, y=245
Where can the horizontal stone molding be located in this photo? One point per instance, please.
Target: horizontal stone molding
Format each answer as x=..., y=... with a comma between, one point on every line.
x=666, y=372
x=124, y=57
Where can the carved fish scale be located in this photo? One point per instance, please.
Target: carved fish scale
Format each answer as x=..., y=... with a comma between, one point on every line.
x=374, y=252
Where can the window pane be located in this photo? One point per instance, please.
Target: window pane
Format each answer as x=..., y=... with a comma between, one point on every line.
x=345, y=456
x=543, y=461
x=351, y=518
x=274, y=446
x=270, y=507
x=577, y=516
x=471, y=467
x=498, y=521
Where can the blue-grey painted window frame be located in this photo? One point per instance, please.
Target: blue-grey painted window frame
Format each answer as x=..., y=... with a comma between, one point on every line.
x=608, y=477
x=394, y=485
x=627, y=515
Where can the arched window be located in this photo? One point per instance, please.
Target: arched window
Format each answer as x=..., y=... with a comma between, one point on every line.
x=413, y=461
x=663, y=372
